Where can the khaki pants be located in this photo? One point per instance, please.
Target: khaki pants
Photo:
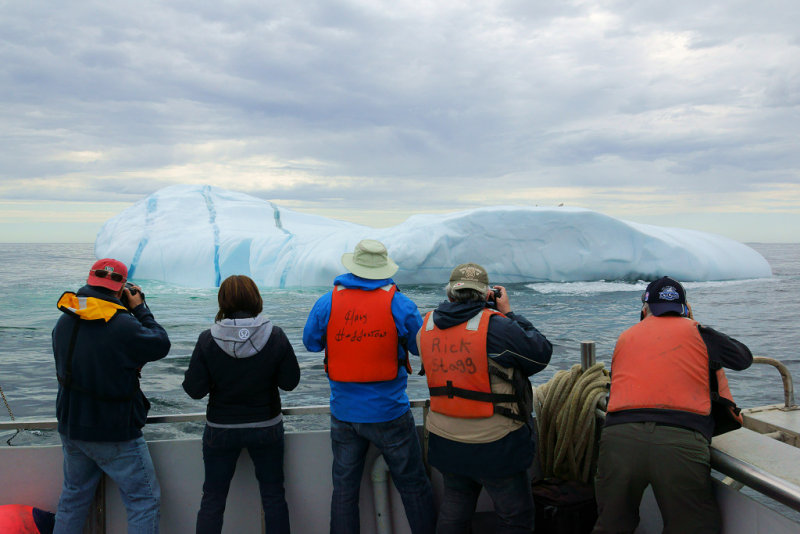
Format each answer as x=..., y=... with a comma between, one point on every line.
x=675, y=461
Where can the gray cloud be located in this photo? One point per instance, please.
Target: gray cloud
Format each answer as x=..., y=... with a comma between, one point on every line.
x=380, y=100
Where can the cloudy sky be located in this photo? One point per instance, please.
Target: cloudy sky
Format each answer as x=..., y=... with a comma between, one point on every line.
x=678, y=113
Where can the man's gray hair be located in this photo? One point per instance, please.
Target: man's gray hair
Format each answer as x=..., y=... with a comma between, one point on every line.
x=464, y=295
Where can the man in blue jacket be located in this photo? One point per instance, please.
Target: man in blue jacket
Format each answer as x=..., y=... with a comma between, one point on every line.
x=367, y=328
x=100, y=346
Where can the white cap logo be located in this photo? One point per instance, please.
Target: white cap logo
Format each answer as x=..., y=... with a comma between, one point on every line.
x=244, y=333
x=669, y=293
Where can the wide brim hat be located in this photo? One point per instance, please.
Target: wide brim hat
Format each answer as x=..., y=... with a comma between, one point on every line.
x=370, y=260
x=110, y=266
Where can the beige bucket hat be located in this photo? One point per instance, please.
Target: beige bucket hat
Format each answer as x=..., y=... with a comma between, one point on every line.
x=370, y=260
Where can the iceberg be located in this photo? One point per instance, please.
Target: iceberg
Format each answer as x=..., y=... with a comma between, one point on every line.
x=196, y=236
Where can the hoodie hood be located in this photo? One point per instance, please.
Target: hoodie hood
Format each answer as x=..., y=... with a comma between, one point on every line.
x=242, y=338
x=453, y=313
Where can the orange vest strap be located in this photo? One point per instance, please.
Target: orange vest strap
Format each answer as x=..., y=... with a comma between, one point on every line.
x=458, y=371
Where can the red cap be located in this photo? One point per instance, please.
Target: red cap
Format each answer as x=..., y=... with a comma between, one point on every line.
x=109, y=266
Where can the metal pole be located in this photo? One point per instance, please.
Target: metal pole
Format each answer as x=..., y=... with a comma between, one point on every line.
x=770, y=485
x=587, y=354
x=788, y=384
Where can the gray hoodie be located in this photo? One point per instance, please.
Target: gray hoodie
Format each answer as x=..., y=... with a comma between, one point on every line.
x=242, y=338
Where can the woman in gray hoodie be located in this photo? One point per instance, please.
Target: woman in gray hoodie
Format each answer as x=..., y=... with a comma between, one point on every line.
x=240, y=363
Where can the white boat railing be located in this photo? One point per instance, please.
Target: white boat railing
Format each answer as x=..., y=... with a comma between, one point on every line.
x=761, y=481
x=52, y=424
x=766, y=483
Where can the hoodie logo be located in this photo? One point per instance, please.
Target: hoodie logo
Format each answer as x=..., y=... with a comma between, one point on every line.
x=244, y=333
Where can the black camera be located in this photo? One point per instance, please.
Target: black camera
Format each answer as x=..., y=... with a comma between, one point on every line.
x=124, y=297
x=494, y=294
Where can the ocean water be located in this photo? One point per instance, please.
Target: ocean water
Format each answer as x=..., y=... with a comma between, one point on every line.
x=761, y=313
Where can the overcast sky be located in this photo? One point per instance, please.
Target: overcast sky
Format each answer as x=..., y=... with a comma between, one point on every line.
x=679, y=113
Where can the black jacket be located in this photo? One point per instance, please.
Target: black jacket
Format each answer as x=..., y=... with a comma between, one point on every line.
x=512, y=342
x=103, y=402
x=242, y=385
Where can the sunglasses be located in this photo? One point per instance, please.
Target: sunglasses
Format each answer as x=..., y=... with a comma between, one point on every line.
x=102, y=273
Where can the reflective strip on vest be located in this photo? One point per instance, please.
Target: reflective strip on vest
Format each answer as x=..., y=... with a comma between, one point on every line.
x=661, y=363
x=361, y=338
x=456, y=357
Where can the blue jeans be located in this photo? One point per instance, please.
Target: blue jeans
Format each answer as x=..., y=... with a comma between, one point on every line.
x=397, y=441
x=221, y=449
x=127, y=463
x=512, y=498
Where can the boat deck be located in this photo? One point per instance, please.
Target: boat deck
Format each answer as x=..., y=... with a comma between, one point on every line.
x=32, y=475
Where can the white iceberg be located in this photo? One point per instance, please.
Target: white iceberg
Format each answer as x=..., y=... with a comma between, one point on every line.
x=194, y=235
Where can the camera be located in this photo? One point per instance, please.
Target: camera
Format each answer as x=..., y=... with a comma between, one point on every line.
x=124, y=297
x=494, y=294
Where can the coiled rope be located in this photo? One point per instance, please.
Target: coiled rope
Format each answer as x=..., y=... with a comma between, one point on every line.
x=565, y=417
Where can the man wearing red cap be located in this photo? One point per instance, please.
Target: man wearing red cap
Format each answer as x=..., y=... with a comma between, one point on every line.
x=100, y=346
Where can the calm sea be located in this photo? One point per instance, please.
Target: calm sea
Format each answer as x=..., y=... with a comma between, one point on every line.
x=760, y=313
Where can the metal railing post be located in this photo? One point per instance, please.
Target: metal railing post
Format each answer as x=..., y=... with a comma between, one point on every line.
x=786, y=376
x=587, y=354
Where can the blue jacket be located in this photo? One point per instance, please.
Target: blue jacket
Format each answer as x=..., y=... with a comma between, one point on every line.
x=368, y=402
x=103, y=401
x=512, y=342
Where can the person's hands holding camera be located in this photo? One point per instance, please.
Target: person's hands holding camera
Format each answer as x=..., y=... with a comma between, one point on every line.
x=499, y=295
x=132, y=296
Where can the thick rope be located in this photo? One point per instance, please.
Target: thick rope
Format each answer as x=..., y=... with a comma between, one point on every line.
x=565, y=417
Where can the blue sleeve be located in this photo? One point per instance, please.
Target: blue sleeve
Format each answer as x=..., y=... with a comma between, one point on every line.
x=408, y=321
x=317, y=323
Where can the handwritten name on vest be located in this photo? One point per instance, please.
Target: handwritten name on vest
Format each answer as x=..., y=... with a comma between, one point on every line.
x=456, y=364
x=357, y=328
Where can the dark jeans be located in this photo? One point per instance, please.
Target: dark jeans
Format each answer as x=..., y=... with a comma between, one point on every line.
x=512, y=498
x=221, y=449
x=675, y=461
x=397, y=441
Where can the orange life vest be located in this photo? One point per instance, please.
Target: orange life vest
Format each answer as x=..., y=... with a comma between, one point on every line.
x=458, y=371
x=361, y=338
x=17, y=519
x=662, y=363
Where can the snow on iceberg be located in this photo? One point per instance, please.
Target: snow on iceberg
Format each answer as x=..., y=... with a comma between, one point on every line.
x=194, y=235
